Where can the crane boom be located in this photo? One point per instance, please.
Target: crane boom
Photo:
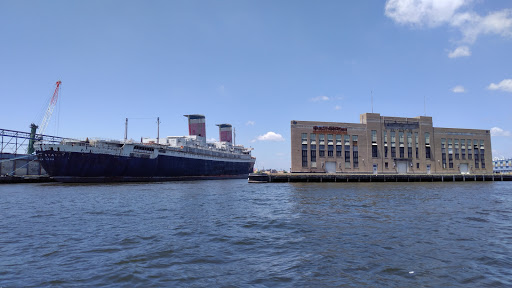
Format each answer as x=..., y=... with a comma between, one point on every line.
x=49, y=111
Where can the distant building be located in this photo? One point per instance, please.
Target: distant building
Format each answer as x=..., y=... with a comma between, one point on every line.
x=502, y=165
x=381, y=144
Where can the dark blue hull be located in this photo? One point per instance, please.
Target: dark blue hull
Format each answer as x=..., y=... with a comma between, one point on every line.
x=90, y=167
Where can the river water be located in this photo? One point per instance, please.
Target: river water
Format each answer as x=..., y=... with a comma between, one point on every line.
x=229, y=233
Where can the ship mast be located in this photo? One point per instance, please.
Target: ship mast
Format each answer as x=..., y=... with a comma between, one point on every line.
x=158, y=130
x=126, y=130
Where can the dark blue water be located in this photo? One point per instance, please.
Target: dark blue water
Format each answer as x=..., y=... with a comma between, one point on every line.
x=235, y=234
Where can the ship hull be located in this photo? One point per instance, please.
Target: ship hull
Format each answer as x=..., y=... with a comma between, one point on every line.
x=91, y=167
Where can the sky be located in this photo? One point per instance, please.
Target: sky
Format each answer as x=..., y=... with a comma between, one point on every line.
x=257, y=65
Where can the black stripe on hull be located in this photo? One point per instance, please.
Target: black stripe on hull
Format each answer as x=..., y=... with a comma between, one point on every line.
x=120, y=168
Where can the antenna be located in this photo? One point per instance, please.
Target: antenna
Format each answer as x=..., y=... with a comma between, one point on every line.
x=372, y=99
x=425, y=105
x=234, y=136
x=158, y=131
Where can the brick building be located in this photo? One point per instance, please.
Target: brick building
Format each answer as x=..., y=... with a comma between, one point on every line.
x=380, y=144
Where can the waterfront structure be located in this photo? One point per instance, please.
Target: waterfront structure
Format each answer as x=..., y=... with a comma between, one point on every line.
x=502, y=166
x=393, y=145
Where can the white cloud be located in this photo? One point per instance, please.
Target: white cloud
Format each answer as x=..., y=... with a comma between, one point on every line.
x=432, y=13
x=337, y=107
x=473, y=25
x=505, y=85
x=250, y=123
x=496, y=131
x=458, y=89
x=320, y=98
x=422, y=12
x=270, y=136
x=461, y=51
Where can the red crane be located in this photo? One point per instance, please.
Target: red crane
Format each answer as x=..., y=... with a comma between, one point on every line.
x=49, y=111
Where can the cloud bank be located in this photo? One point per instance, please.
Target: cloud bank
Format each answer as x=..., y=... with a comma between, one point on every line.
x=456, y=14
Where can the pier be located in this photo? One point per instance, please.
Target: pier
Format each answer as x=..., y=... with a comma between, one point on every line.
x=324, y=177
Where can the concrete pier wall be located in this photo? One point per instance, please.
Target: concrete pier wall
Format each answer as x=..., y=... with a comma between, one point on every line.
x=322, y=177
x=20, y=165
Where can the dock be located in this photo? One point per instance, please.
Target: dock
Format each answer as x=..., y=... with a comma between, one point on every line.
x=324, y=177
x=4, y=179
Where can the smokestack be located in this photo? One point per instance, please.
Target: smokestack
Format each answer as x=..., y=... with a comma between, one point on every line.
x=196, y=125
x=225, y=134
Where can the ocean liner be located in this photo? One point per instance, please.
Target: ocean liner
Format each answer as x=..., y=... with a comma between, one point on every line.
x=171, y=158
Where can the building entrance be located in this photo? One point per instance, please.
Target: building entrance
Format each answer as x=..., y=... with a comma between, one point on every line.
x=464, y=168
x=330, y=167
x=401, y=167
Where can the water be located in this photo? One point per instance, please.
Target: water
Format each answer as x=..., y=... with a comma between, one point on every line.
x=234, y=234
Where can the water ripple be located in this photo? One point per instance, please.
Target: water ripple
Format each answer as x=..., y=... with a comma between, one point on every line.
x=233, y=234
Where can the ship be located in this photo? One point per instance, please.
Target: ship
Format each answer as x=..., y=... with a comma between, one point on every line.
x=151, y=160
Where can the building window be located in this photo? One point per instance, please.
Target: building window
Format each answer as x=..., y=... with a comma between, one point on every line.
x=409, y=144
x=401, y=143
x=304, y=155
x=304, y=138
x=456, y=144
x=356, y=156
x=482, y=154
x=470, y=151
x=312, y=138
x=393, y=142
x=338, y=146
x=385, y=132
x=374, y=144
x=338, y=150
x=330, y=151
x=417, y=144
x=347, y=151
x=450, y=161
x=418, y=165
x=313, y=153
x=427, y=145
x=321, y=150
x=385, y=164
x=463, y=149
x=443, y=151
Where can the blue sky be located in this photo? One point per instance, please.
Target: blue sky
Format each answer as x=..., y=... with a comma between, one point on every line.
x=255, y=64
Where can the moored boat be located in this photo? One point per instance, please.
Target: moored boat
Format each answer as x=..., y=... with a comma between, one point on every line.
x=170, y=158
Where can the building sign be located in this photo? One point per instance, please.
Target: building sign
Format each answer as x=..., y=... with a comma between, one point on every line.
x=409, y=126
x=322, y=129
